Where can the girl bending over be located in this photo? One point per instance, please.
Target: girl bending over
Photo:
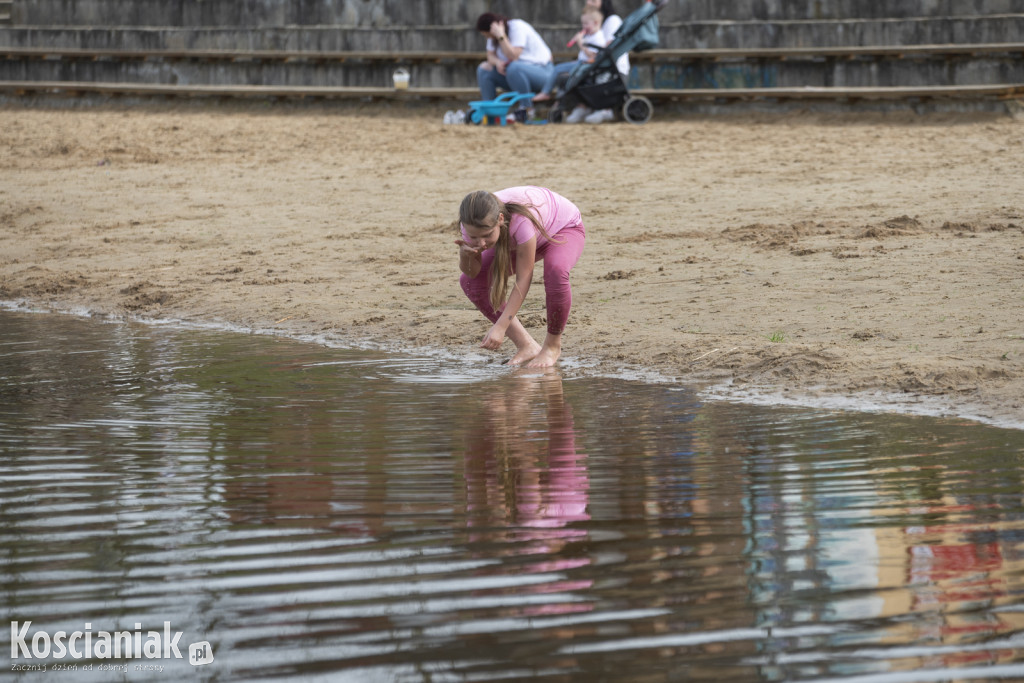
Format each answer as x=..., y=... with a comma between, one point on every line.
x=506, y=233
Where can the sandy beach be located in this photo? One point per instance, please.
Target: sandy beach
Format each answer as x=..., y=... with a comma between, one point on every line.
x=862, y=259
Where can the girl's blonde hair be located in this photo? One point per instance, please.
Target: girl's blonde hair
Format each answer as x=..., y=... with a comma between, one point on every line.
x=480, y=210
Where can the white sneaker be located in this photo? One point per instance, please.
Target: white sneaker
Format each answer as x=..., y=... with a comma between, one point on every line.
x=577, y=115
x=600, y=116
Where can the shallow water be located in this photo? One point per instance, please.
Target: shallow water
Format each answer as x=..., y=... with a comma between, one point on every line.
x=325, y=514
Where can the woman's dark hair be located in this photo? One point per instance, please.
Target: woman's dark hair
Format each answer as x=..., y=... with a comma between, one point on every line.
x=483, y=23
x=607, y=8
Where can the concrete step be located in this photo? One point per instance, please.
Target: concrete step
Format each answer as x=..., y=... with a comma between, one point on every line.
x=703, y=35
x=787, y=34
x=830, y=71
x=935, y=65
x=274, y=13
x=1001, y=92
x=685, y=11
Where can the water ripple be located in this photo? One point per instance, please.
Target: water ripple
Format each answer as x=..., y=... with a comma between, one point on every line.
x=328, y=514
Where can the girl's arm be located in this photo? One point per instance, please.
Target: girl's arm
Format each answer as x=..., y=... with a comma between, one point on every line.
x=525, y=255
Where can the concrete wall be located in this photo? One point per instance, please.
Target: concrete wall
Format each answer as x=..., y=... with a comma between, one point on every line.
x=703, y=35
x=249, y=13
x=830, y=73
x=429, y=25
x=744, y=74
x=270, y=13
x=929, y=31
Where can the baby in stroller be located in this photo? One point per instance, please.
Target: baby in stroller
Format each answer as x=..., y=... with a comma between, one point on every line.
x=590, y=39
x=598, y=85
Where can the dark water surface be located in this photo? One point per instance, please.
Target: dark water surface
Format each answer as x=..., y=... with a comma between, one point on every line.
x=322, y=514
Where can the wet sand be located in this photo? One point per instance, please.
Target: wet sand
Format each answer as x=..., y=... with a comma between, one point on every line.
x=869, y=258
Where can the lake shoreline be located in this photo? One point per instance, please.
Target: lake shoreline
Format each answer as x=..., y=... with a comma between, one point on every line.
x=575, y=367
x=810, y=258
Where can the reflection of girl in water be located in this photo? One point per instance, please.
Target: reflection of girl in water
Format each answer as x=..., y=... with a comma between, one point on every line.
x=526, y=486
x=522, y=467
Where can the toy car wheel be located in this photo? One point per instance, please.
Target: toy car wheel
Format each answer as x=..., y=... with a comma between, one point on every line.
x=556, y=115
x=637, y=109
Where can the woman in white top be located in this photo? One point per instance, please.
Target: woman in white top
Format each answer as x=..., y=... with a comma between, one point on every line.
x=612, y=22
x=518, y=59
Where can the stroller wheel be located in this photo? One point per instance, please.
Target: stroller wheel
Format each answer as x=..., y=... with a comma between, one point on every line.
x=637, y=109
x=556, y=115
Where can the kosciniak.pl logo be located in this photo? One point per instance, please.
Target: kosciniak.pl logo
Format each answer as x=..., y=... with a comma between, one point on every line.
x=90, y=644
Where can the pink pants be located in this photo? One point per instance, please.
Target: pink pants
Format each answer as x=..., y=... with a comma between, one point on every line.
x=559, y=258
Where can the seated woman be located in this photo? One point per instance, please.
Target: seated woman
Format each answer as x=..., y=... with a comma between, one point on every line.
x=518, y=59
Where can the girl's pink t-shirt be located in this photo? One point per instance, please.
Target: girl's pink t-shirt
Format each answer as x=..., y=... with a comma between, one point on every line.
x=554, y=211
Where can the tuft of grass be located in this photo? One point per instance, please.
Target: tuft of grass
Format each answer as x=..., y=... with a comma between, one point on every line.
x=777, y=337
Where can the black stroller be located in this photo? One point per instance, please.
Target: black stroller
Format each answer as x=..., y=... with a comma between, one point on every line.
x=599, y=85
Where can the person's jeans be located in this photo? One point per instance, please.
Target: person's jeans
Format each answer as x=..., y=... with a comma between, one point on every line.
x=519, y=76
x=563, y=68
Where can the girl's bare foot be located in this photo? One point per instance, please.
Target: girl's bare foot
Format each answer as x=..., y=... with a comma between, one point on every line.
x=546, y=358
x=526, y=353
x=541, y=97
x=526, y=346
x=549, y=353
